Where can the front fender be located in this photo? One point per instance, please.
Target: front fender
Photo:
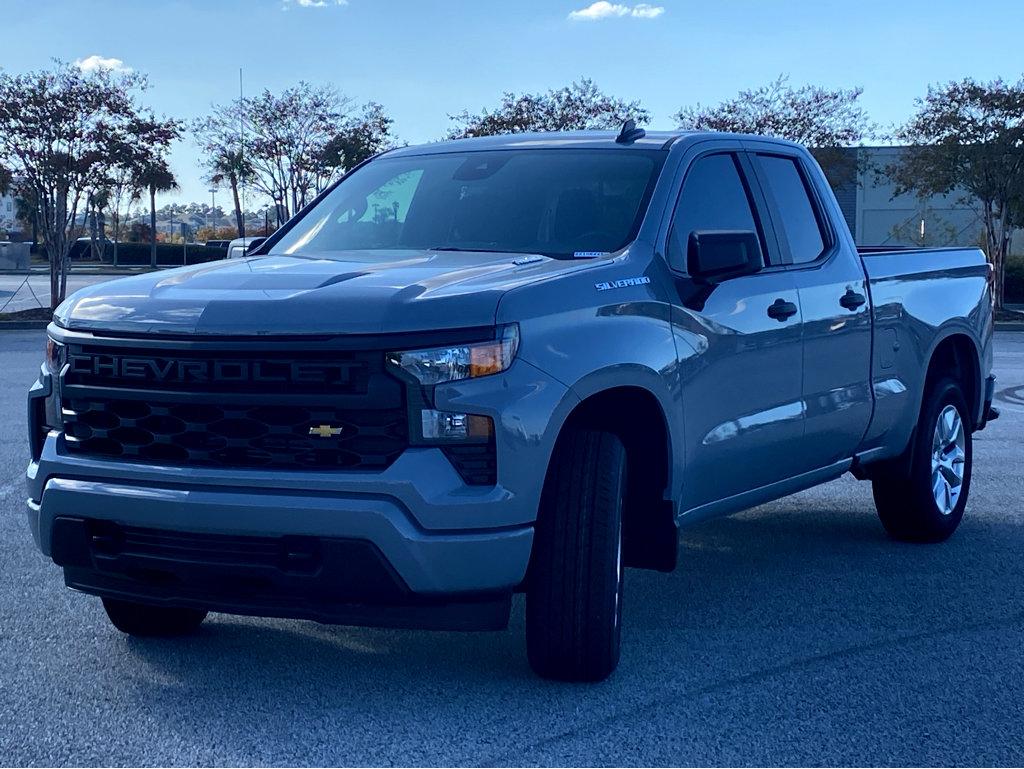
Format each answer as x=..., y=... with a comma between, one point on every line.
x=592, y=352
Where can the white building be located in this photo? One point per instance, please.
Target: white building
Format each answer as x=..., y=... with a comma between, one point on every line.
x=879, y=217
x=6, y=214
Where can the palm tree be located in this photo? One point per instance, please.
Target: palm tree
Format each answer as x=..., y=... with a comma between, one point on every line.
x=156, y=176
x=231, y=166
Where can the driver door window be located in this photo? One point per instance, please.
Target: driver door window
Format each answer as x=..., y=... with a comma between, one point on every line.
x=714, y=197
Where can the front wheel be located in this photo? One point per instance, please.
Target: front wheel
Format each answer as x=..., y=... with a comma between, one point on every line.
x=574, y=589
x=141, y=619
x=925, y=501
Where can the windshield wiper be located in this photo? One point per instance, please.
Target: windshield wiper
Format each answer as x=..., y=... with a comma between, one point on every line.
x=460, y=248
x=499, y=251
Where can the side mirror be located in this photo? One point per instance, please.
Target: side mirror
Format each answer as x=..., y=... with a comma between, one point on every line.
x=716, y=255
x=254, y=244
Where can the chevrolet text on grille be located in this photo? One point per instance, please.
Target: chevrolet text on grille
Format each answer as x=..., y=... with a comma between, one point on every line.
x=185, y=370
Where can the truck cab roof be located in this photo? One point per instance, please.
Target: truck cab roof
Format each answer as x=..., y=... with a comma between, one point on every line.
x=570, y=140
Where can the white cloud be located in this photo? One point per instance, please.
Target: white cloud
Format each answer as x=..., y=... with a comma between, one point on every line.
x=312, y=3
x=647, y=11
x=602, y=9
x=96, y=62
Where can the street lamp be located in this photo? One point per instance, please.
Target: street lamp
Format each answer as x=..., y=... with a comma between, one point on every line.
x=213, y=211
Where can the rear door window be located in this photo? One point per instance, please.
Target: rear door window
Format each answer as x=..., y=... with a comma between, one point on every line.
x=798, y=216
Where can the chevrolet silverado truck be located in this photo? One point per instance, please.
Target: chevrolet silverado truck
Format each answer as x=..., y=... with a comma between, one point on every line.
x=499, y=365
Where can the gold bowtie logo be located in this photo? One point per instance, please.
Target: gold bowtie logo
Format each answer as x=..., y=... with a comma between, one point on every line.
x=324, y=431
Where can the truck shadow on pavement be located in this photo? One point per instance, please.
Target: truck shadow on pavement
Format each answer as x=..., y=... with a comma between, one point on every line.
x=764, y=595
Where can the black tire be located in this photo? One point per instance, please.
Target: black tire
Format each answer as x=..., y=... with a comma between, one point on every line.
x=574, y=590
x=904, y=496
x=141, y=619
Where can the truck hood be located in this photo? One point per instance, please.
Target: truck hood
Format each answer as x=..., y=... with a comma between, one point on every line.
x=350, y=292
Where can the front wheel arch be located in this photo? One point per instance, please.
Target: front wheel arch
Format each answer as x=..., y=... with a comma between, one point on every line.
x=635, y=416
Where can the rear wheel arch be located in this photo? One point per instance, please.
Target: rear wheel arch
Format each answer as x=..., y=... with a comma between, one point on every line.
x=956, y=356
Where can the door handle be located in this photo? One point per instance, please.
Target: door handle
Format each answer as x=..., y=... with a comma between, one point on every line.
x=781, y=309
x=851, y=300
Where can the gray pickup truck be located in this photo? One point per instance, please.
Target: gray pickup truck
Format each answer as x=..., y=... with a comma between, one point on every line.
x=500, y=365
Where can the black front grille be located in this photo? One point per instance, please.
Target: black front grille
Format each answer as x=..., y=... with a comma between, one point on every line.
x=305, y=410
x=236, y=436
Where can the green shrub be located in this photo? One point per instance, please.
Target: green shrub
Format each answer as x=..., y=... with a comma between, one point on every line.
x=1014, y=291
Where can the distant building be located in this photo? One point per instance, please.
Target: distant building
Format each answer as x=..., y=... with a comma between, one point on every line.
x=7, y=219
x=879, y=218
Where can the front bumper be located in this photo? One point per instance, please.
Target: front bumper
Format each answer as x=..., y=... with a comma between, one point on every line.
x=455, y=552
x=336, y=580
x=430, y=567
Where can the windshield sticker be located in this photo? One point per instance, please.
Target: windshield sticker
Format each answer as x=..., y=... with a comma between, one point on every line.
x=589, y=254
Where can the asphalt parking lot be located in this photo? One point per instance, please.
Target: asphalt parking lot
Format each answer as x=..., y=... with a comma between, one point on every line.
x=796, y=633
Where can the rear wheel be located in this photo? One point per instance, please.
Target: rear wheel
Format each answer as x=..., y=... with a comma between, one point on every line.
x=141, y=619
x=575, y=586
x=925, y=500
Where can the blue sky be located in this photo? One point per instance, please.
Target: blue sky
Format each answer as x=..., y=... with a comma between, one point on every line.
x=426, y=59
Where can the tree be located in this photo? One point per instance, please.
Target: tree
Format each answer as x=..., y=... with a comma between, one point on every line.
x=231, y=167
x=156, y=176
x=128, y=163
x=288, y=131
x=123, y=192
x=360, y=138
x=96, y=203
x=825, y=120
x=26, y=210
x=576, y=107
x=57, y=127
x=969, y=136
x=284, y=134
x=220, y=136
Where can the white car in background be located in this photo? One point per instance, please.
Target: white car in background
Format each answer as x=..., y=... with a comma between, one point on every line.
x=238, y=247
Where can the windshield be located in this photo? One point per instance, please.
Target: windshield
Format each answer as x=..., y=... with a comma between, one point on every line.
x=559, y=203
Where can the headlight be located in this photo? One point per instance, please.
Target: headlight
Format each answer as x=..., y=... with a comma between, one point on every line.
x=54, y=356
x=449, y=364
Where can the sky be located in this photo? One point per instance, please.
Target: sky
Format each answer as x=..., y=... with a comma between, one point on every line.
x=427, y=59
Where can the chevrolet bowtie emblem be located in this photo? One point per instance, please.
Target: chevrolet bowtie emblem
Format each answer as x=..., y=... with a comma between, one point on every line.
x=324, y=431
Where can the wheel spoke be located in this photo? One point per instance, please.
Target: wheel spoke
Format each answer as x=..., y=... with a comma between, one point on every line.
x=948, y=434
x=939, y=490
x=949, y=475
x=955, y=427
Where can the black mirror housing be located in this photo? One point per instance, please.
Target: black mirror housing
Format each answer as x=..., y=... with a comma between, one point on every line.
x=716, y=255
